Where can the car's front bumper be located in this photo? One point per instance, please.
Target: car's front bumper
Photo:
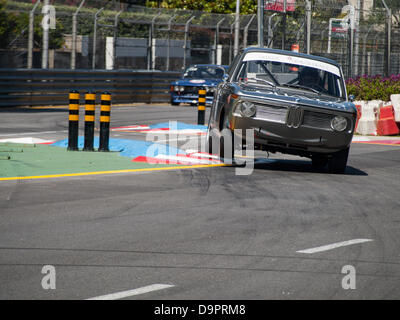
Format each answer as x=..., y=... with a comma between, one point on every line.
x=302, y=140
x=190, y=98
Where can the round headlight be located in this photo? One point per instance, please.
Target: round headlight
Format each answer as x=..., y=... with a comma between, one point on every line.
x=339, y=123
x=248, y=109
x=176, y=88
x=181, y=88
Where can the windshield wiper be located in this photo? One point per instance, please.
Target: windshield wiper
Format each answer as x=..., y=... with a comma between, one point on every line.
x=302, y=87
x=267, y=71
x=263, y=81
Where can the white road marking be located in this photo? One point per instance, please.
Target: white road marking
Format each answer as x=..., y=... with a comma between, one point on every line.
x=334, y=245
x=177, y=131
x=27, y=140
x=29, y=133
x=134, y=292
x=184, y=159
x=175, y=139
x=202, y=155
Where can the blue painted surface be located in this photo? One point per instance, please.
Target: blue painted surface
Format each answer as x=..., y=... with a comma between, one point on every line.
x=135, y=148
x=129, y=148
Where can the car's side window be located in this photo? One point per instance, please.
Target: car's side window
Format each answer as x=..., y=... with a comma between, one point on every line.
x=331, y=85
x=232, y=66
x=340, y=87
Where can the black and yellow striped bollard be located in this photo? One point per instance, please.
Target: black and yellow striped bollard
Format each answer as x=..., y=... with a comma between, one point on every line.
x=73, y=120
x=201, y=107
x=90, y=101
x=105, y=111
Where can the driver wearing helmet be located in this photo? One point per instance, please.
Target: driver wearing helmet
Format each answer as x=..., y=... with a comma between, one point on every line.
x=309, y=77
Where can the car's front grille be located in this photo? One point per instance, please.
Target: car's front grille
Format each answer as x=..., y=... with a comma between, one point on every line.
x=190, y=89
x=294, y=117
x=317, y=120
x=278, y=114
x=271, y=113
x=195, y=90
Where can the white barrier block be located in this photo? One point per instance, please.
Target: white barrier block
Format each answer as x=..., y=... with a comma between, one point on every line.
x=395, y=98
x=367, y=122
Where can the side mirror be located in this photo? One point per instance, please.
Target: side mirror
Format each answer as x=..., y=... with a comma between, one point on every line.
x=352, y=97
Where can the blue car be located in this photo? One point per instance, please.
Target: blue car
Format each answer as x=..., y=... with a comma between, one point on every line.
x=207, y=76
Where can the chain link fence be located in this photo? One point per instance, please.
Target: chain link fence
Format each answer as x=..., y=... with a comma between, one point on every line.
x=110, y=35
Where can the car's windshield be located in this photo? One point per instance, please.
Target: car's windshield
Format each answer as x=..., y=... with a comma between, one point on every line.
x=292, y=72
x=204, y=72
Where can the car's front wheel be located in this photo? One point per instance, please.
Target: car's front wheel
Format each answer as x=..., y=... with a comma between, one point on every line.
x=174, y=103
x=319, y=161
x=220, y=141
x=338, y=162
x=226, y=142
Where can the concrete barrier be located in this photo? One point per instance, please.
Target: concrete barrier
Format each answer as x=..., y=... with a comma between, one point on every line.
x=386, y=126
x=368, y=120
x=395, y=98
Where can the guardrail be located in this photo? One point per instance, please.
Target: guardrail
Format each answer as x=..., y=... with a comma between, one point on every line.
x=43, y=87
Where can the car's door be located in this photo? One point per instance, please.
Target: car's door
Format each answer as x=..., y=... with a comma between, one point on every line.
x=224, y=89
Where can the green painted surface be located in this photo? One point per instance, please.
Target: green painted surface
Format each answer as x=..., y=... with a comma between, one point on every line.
x=37, y=160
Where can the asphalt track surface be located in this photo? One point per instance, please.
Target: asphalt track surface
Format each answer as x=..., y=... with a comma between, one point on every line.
x=206, y=232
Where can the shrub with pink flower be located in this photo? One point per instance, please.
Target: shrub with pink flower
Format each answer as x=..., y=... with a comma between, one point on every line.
x=373, y=87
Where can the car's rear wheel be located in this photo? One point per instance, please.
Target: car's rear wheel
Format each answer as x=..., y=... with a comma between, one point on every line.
x=338, y=162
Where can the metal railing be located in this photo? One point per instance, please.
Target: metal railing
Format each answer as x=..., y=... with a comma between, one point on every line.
x=363, y=37
x=38, y=87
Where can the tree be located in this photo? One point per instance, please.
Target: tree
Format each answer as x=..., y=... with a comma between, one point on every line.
x=8, y=25
x=56, y=38
x=392, y=4
x=220, y=6
x=13, y=24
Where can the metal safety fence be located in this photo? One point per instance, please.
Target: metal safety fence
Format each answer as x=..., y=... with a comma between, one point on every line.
x=364, y=36
x=37, y=87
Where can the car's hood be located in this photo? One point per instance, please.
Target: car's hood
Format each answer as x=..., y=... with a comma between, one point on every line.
x=295, y=97
x=197, y=82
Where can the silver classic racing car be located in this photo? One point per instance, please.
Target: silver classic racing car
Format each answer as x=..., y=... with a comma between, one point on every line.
x=294, y=103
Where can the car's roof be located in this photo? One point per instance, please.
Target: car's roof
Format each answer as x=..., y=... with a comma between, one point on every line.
x=293, y=53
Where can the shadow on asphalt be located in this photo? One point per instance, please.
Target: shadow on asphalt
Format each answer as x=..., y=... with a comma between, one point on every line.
x=299, y=166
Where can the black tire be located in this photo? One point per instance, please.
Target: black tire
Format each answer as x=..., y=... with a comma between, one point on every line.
x=174, y=103
x=319, y=161
x=226, y=158
x=209, y=145
x=193, y=104
x=338, y=162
